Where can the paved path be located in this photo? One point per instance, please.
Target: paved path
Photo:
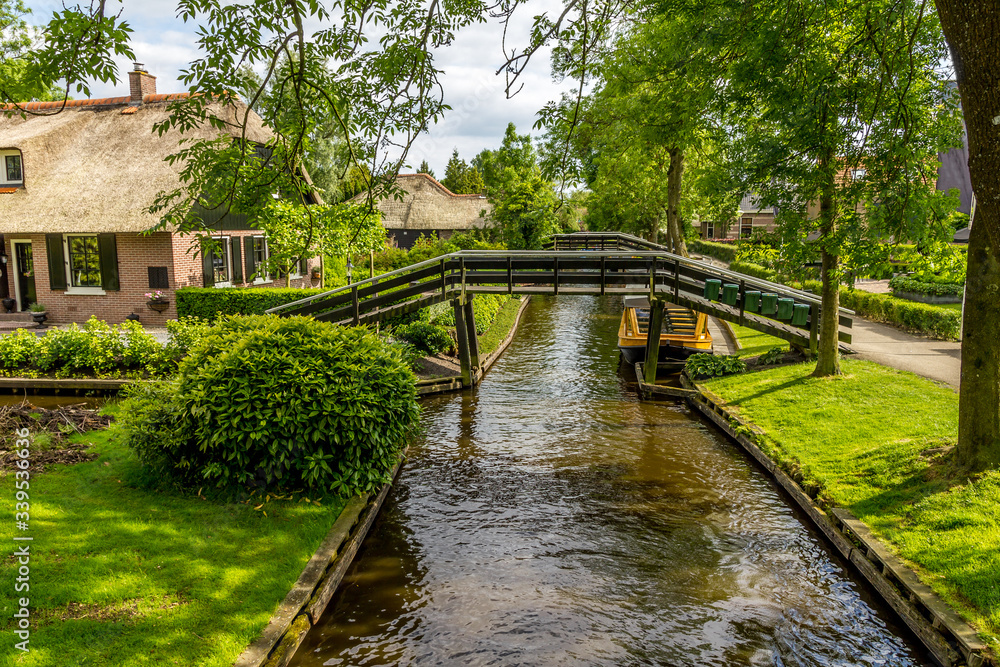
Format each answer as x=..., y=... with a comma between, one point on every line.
x=935, y=359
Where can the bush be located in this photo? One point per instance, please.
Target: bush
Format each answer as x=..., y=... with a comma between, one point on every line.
x=771, y=356
x=923, y=318
x=754, y=270
x=723, y=251
x=485, y=307
x=704, y=366
x=427, y=338
x=96, y=349
x=907, y=284
x=281, y=404
x=210, y=303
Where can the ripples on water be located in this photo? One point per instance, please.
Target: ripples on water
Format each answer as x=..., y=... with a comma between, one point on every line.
x=551, y=519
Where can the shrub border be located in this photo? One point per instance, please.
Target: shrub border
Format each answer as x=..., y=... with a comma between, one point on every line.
x=939, y=628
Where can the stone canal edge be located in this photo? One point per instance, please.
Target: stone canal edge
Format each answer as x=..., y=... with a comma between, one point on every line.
x=950, y=640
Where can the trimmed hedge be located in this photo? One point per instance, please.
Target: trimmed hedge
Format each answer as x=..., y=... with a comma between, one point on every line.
x=209, y=303
x=918, y=317
x=906, y=284
x=722, y=251
x=755, y=270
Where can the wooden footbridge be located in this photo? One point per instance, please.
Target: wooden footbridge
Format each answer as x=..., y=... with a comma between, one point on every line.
x=582, y=263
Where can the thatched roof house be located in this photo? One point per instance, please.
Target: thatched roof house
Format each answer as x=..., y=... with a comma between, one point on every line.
x=75, y=193
x=430, y=207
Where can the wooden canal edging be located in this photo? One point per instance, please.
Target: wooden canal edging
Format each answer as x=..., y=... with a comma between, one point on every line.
x=61, y=385
x=313, y=590
x=944, y=633
x=316, y=586
x=592, y=264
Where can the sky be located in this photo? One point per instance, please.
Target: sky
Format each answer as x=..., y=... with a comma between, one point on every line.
x=480, y=110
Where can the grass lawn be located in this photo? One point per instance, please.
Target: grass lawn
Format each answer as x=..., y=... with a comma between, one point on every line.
x=492, y=337
x=873, y=439
x=755, y=342
x=126, y=574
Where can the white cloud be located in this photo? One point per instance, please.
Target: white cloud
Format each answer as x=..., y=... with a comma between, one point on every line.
x=480, y=111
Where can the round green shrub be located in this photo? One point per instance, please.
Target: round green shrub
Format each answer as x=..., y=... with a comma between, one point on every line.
x=426, y=337
x=283, y=403
x=702, y=366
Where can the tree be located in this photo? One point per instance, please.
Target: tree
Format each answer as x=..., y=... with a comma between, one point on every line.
x=971, y=28
x=462, y=179
x=295, y=232
x=843, y=105
x=425, y=169
x=516, y=152
x=525, y=213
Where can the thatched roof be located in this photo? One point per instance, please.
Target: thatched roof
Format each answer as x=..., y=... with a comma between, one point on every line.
x=430, y=205
x=96, y=166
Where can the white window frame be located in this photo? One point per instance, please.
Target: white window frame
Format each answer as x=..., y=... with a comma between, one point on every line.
x=709, y=230
x=260, y=279
x=227, y=247
x=70, y=287
x=3, y=167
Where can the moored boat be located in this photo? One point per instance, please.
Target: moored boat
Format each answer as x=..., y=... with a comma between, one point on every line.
x=683, y=333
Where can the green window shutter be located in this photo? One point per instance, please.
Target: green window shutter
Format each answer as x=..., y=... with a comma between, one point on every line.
x=237, y=264
x=108, y=249
x=207, y=270
x=57, y=262
x=249, y=256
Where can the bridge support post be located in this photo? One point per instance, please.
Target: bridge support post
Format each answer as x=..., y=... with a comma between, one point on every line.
x=464, y=351
x=656, y=307
x=470, y=328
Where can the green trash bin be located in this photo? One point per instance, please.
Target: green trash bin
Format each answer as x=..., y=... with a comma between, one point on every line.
x=712, y=287
x=730, y=294
x=751, y=302
x=800, y=316
x=768, y=303
x=785, y=307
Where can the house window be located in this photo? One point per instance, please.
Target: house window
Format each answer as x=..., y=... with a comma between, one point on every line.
x=858, y=174
x=13, y=163
x=746, y=228
x=709, y=230
x=84, y=261
x=259, y=255
x=222, y=266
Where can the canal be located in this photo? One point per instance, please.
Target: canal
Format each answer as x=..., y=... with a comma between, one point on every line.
x=549, y=518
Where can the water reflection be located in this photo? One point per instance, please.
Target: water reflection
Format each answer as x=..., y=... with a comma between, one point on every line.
x=550, y=518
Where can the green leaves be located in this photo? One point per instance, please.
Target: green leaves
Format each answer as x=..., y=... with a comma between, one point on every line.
x=286, y=403
x=703, y=366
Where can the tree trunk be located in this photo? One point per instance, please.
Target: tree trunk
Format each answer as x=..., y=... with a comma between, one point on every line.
x=828, y=362
x=971, y=28
x=675, y=174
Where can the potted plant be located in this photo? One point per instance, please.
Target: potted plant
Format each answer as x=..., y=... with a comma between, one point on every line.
x=315, y=272
x=9, y=304
x=38, y=314
x=157, y=301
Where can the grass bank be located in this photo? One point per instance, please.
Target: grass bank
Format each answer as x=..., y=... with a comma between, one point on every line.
x=876, y=440
x=501, y=326
x=125, y=574
x=754, y=342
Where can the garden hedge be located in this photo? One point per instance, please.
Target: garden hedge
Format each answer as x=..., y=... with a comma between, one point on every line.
x=721, y=251
x=924, y=318
x=209, y=303
x=755, y=270
x=905, y=284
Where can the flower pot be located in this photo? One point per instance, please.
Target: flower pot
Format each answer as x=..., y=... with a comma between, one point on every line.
x=159, y=305
x=9, y=304
x=39, y=318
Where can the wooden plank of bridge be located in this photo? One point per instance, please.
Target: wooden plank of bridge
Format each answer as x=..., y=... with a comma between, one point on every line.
x=656, y=308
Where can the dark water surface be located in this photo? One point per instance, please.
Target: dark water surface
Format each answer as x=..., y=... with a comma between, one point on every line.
x=551, y=519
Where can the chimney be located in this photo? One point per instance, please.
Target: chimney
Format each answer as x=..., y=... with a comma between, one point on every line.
x=140, y=84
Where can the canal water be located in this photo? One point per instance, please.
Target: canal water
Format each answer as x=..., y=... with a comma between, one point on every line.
x=550, y=518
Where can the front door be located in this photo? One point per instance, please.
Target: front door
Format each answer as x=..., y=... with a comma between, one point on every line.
x=24, y=274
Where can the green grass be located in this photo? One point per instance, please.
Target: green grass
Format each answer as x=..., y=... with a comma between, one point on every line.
x=504, y=322
x=126, y=574
x=872, y=440
x=755, y=342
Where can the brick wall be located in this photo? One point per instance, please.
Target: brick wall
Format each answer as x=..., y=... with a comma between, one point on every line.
x=136, y=253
